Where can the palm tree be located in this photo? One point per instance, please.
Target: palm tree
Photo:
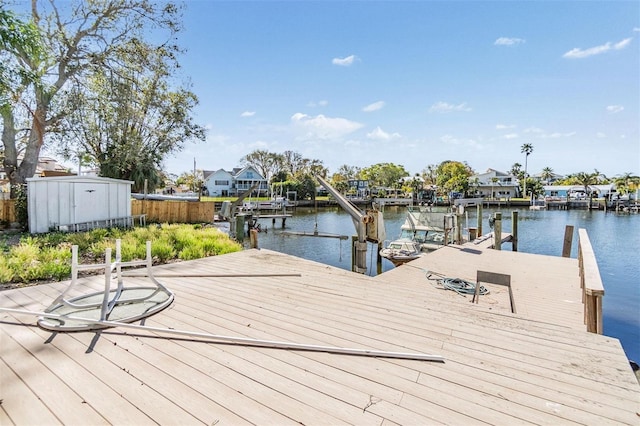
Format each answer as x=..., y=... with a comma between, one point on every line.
x=494, y=180
x=516, y=170
x=527, y=149
x=547, y=174
x=626, y=182
x=586, y=180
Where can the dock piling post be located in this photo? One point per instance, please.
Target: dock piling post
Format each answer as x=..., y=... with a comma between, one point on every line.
x=253, y=238
x=514, y=231
x=497, y=231
x=240, y=227
x=479, y=214
x=568, y=241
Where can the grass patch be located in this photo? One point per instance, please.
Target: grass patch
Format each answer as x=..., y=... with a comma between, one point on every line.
x=48, y=256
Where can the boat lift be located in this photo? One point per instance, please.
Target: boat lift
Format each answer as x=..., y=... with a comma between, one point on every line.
x=369, y=226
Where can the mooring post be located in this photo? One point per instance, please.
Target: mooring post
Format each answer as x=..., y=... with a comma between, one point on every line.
x=497, y=231
x=253, y=238
x=240, y=227
x=479, y=214
x=514, y=230
x=568, y=241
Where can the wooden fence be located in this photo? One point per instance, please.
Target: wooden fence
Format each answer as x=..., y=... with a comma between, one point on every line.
x=155, y=211
x=591, y=283
x=8, y=211
x=174, y=211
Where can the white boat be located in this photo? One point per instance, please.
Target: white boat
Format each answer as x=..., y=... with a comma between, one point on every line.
x=425, y=226
x=401, y=251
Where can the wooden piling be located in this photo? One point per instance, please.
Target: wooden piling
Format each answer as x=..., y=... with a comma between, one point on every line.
x=253, y=238
x=568, y=241
x=497, y=231
x=479, y=214
x=514, y=230
x=240, y=227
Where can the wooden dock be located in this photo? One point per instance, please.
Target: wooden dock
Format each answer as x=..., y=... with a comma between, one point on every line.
x=538, y=366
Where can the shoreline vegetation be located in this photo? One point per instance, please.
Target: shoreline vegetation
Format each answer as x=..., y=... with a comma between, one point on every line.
x=35, y=259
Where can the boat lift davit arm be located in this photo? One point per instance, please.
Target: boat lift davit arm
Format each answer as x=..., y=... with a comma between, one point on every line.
x=360, y=265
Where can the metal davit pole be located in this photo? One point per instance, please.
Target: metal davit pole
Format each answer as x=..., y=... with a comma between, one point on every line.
x=359, y=246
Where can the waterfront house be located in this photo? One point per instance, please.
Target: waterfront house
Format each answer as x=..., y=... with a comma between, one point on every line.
x=359, y=187
x=494, y=184
x=548, y=180
x=577, y=192
x=223, y=183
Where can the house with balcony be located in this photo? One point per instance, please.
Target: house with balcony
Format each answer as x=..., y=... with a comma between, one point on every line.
x=223, y=183
x=494, y=184
x=359, y=188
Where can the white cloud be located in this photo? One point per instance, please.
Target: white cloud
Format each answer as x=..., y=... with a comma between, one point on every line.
x=381, y=135
x=374, y=106
x=505, y=126
x=344, y=62
x=508, y=41
x=323, y=127
x=536, y=130
x=542, y=134
x=601, y=135
x=577, y=53
x=451, y=140
x=613, y=109
x=622, y=44
x=446, y=107
x=248, y=114
x=511, y=136
x=321, y=103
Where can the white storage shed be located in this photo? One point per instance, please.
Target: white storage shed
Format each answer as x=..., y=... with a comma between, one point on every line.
x=77, y=203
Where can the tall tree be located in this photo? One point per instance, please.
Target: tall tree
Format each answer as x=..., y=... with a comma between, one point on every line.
x=516, y=170
x=267, y=163
x=17, y=38
x=547, y=174
x=429, y=174
x=453, y=176
x=626, y=183
x=128, y=118
x=292, y=162
x=527, y=149
x=385, y=174
x=21, y=46
x=587, y=180
x=79, y=36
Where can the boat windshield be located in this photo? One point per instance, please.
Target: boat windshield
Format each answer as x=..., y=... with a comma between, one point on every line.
x=423, y=235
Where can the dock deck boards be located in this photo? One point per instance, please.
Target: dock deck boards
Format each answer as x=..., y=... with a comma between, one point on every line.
x=545, y=288
x=533, y=367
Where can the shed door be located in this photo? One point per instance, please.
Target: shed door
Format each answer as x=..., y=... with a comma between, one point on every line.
x=91, y=202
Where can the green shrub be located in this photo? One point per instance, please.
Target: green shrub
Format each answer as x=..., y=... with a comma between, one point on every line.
x=192, y=251
x=48, y=256
x=162, y=251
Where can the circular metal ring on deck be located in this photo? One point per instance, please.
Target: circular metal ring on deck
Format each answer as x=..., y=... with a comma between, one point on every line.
x=132, y=304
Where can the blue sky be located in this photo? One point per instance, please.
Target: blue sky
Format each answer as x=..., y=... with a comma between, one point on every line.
x=416, y=83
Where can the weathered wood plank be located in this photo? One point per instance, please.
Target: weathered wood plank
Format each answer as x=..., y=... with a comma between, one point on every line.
x=25, y=408
x=506, y=369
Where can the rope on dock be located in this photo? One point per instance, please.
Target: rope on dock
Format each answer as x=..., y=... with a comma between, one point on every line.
x=458, y=285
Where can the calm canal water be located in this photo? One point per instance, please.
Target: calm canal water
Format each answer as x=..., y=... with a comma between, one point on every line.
x=615, y=239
